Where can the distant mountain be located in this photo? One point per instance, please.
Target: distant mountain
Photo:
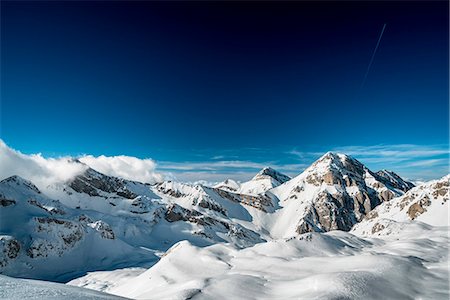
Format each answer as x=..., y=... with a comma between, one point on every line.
x=228, y=185
x=265, y=180
x=391, y=178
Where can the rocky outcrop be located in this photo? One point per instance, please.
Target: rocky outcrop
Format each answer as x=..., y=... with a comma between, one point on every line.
x=394, y=180
x=104, y=229
x=210, y=226
x=62, y=235
x=6, y=202
x=426, y=203
x=271, y=173
x=94, y=183
x=9, y=249
x=337, y=191
x=211, y=205
x=168, y=188
x=261, y=201
x=54, y=210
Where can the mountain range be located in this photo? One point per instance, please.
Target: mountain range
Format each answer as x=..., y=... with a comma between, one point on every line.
x=94, y=222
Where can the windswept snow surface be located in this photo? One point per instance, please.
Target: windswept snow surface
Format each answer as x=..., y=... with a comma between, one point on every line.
x=409, y=264
x=18, y=289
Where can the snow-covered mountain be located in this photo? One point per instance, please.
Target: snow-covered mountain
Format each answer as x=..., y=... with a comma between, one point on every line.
x=120, y=219
x=95, y=222
x=393, y=179
x=428, y=203
x=325, y=265
x=43, y=238
x=265, y=180
x=228, y=185
x=335, y=192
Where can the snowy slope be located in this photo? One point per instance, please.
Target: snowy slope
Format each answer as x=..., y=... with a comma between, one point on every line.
x=427, y=203
x=265, y=180
x=18, y=289
x=334, y=265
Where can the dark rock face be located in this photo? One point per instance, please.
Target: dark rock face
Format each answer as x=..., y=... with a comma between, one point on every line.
x=93, y=183
x=358, y=191
x=9, y=250
x=104, y=229
x=328, y=212
x=6, y=202
x=392, y=179
x=161, y=187
x=261, y=202
x=53, y=210
x=69, y=233
x=81, y=186
x=176, y=213
x=212, y=206
x=281, y=178
x=441, y=188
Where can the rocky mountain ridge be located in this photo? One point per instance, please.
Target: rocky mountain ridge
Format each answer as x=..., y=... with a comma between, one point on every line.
x=66, y=219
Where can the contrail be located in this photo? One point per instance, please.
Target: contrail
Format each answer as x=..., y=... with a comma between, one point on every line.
x=373, y=55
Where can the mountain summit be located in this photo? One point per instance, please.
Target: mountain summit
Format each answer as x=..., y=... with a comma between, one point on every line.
x=268, y=172
x=335, y=192
x=265, y=180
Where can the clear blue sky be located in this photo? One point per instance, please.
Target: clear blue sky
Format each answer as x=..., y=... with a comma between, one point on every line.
x=202, y=82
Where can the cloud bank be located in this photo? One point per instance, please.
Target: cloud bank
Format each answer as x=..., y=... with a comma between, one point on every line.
x=127, y=167
x=37, y=169
x=45, y=171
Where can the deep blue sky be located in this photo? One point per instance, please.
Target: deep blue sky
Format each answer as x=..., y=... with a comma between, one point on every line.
x=243, y=81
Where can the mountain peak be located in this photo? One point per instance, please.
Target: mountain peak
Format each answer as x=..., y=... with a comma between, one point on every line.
x=19, y=181
x=393, y=179
x=272, y=173
x=336, y=162
x=228, y=184
x=335, y=156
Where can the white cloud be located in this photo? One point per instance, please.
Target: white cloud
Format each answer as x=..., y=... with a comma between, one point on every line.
x=39, y=170
x=44, y=171
x=127, y=167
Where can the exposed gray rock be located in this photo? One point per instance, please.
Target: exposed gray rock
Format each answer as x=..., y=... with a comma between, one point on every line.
x=394, y=180
x=94, y=183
